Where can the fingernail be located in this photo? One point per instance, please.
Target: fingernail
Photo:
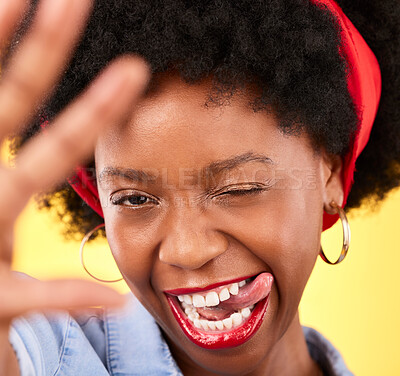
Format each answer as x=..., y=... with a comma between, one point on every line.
x=126, y=76
x=51, y=9
x=131, y=71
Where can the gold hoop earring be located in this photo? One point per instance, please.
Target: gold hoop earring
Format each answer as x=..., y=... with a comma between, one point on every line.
x=84, y=240
x=346, y=236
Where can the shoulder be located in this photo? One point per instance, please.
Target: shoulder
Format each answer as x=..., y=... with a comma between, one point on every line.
x=55, y=342
x=325, y=354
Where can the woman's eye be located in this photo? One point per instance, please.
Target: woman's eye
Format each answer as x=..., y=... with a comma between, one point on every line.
x=131, y=200
x=243, y=192
x=137, y=200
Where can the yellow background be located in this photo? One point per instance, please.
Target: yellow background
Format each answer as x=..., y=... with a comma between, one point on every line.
x=354, y=304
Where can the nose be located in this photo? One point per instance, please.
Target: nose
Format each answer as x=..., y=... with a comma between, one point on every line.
x=191, y=241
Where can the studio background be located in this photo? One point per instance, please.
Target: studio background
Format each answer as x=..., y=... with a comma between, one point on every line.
x=354, y=304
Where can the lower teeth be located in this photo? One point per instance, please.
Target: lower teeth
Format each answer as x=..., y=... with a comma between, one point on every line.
x=235, y=319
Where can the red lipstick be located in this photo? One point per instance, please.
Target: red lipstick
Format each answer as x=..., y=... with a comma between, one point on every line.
x=184, y=291
x=226, y=338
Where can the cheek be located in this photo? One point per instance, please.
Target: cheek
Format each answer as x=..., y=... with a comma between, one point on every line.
x=133, y=245
x=293, y=230
x=284, y=233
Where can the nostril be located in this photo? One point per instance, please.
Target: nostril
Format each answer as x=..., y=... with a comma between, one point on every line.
x=186, y=260
x=192, y=251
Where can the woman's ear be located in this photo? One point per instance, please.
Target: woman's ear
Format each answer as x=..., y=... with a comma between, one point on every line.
x=332, y=183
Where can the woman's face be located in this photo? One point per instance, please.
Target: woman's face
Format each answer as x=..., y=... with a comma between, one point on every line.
x=183, y=227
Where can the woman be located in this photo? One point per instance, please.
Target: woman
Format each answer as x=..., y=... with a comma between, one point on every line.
x=214, y=181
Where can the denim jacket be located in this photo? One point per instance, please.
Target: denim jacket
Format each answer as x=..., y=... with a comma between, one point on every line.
x=117, y=342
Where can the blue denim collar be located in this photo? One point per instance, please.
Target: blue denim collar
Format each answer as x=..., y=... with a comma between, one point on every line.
x=135, y=344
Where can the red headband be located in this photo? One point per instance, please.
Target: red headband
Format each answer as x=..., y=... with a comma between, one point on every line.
x=364, y=83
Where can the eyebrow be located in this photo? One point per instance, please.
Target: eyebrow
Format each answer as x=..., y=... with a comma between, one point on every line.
x=214, y=168
x=224, y=165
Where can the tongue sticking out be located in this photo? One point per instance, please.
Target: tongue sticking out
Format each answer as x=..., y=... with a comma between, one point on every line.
x=249, y=294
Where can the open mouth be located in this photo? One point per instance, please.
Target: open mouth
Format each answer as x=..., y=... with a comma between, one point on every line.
x=222, y=315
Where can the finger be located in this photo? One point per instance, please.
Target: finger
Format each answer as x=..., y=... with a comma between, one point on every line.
x=7, y=231
x=36, y=65
x=19, y=296
x=48, y=158
x=10, y=13
x=6, y=242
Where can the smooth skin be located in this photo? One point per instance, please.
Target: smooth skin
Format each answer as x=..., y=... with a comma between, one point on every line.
x=182, y=229
x=49, y=158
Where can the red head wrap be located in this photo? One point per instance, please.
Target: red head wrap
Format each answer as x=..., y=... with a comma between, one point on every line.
x=364, y=83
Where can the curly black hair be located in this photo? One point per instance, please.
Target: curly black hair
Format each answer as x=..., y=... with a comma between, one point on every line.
x=288, y=48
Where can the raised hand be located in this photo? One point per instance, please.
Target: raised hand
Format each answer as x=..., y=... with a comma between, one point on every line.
x=31, y=73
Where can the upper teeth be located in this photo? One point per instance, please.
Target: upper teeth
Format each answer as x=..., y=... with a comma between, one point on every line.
x=234, y=289
x=224, y=294
x=199, y=301
x=212, y=298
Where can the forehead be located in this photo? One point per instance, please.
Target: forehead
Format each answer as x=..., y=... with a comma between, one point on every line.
x=176, y=125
